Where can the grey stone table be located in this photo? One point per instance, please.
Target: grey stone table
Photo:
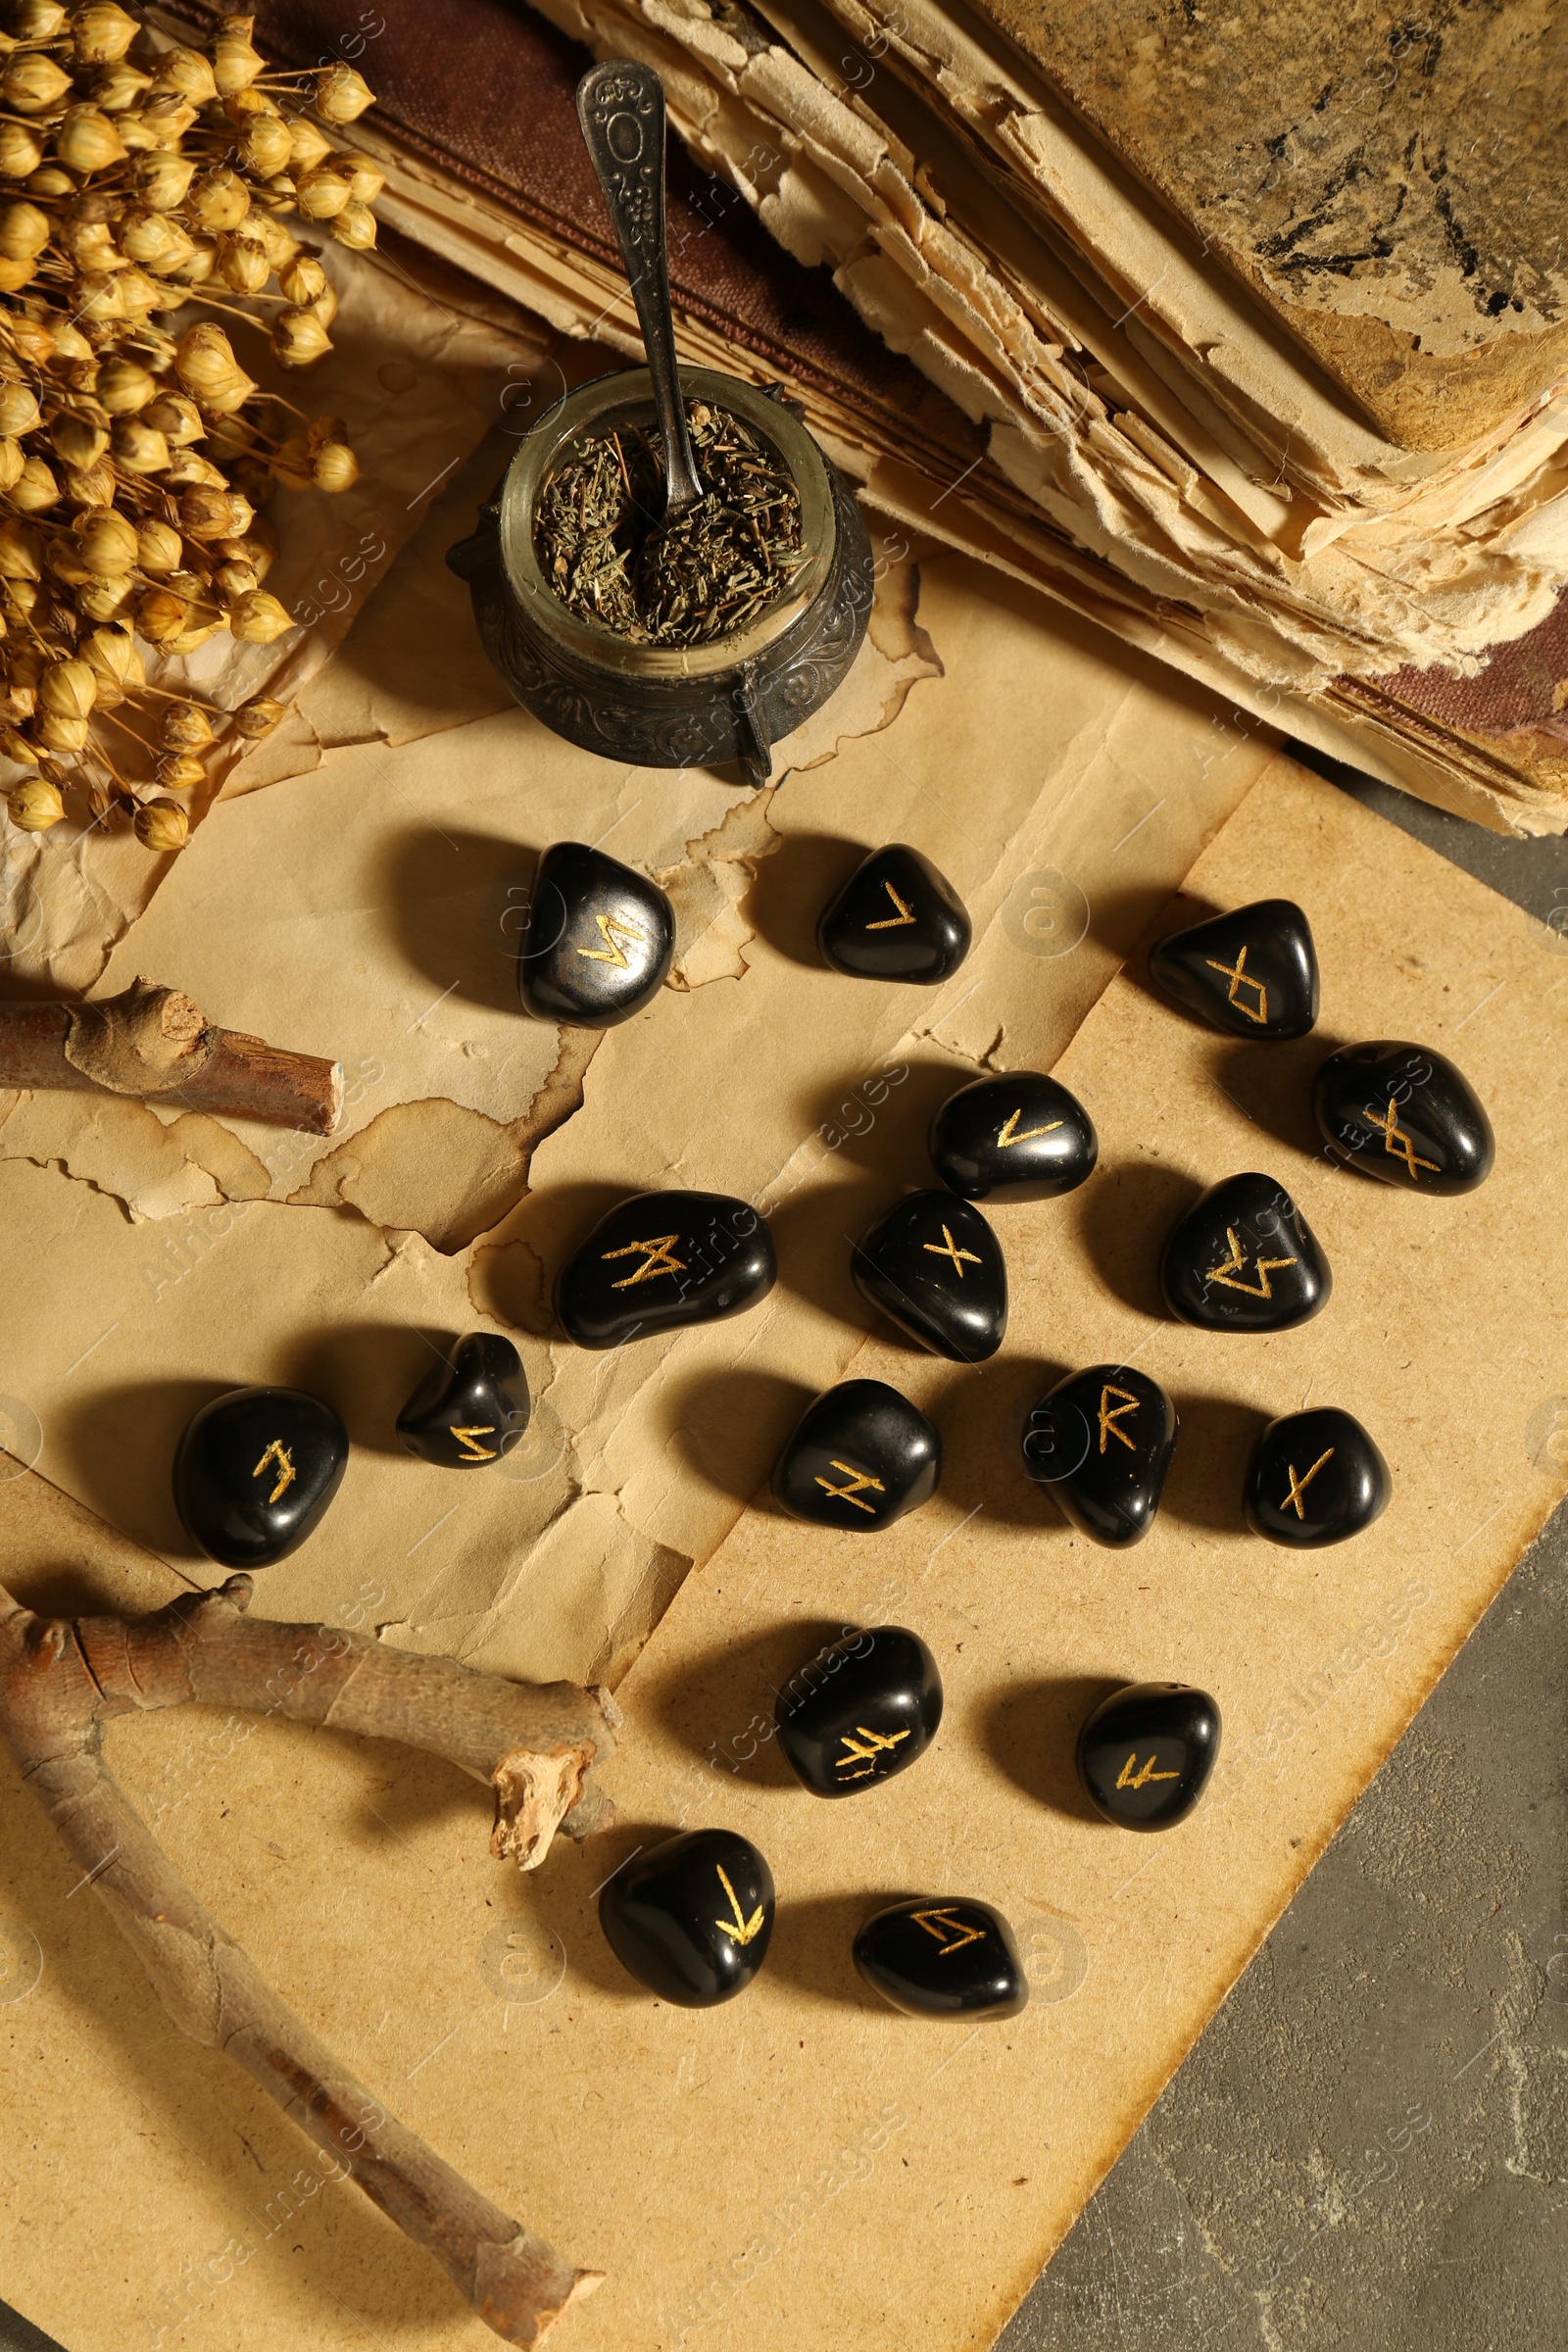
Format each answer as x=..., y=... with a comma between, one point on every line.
x=1368, y=2150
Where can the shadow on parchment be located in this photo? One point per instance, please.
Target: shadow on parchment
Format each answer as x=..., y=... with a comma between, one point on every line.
x=1123, y=1216
x=1272, y=1085
x=367, y=1372
x=793, y=885
x=1209, y=1468
x=728, y=1427
x=814, y=1941
x=459, y=903
x=119, y=1444
x=720, y=1704
x=1030, y=1733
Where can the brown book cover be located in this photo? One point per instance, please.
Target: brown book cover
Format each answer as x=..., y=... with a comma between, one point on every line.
x=1389, y=184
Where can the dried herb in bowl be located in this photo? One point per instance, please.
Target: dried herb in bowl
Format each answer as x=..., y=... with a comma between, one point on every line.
x=722, y=565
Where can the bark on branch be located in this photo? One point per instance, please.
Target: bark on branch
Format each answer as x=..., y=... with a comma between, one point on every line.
x=154, y=1042
x=60, y=1679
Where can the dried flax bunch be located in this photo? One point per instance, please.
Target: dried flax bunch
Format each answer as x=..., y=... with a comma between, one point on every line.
x=140, y=183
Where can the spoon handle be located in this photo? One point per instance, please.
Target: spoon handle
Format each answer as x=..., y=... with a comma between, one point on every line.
x=620, y=106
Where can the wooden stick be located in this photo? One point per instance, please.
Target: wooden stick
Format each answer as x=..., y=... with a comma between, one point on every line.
x=60, y=1679
x=154, y=1042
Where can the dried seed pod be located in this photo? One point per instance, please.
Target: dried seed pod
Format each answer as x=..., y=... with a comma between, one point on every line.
x=163, y=180
x=185, y=727
x=91, y=485
x=191, y=640
x=58, y=734
x=19, y=408
x=118, y=90
x=15, y=276
x=50, y=180
x=25, y=230
x=162, y=826
x=264, y=146
x=299, y=338
x=257, y=618
x=334, y=467
x=35, y=490
x=321, y=193
x=38, y=20
x=108, y=599
x=158, y=547
x=309, y=142
x=258, y=549
x=76, y=440
x=19, y=152
x=366, y=178
x=62, y=558
x=99, y=299
x=161, y=615
x=218, y=200
x=157, y=240
x=208, y=515
x=235, y=64
x=108, y=542
x=87, y=140
x=303, y=280
x=199, y=263
x=21, y=596
x=67, y=689
x=189, y=469
x=341, y=94
x=256, y=718
x=32, y=84
x=177, y=417
x=21, y=549
x=236, y=579
x=34, y=805
x=72, y=347
x=180, y=770
x=163, y=121
x=139, y=293
x=34, y=338
x=17, y=747
x=123, y=386
x=101, y=33
x=12, y=459
x=208, y=368
x=112, y=657
x=354, y=227
x=242, y=262
x=281, y=243
x=188, y=73
x=292, y=460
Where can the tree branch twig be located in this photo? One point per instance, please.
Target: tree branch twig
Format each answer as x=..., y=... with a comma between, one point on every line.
x=60, y=1679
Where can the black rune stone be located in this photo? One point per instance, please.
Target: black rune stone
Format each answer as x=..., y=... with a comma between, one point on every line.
x=598, y=940
x=895, y=919
x=661, y=1261
x=1404, y=1114
x=933, y=1265
x=1018, y=1138
x=1145, y=1753
x=1244, y=1258
x=861, y=1710
x=1101, y=1441
x=255, y=1472
x=861, y=1455
x=1252, y=973
x=1315, y=1478
x=471, y=1408
x=936, y=1958
x=692, y=1919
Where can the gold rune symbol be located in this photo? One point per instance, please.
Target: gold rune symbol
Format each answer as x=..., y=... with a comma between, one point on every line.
x=851, y=1492
x=1298, y=1485
x=1396, y=1139
x=468, y=1440
x=948, y=1927
x=949, y=1248
x=277, y=1452
x=1007, y=1137
x=610, y=953
x=741, y=1931
x=1112, y=1414
x=658, y=1255
x=866, y=1755
x=892, y=922
x=1228, y=1269
x=1128, y=1779
x=1240, y=977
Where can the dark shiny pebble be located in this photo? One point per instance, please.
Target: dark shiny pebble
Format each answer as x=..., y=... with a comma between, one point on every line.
x=895, y=919
x=860, y=1456
x=1244, y=1258
x=1018, y=1138
x=1252, y=973
x=947, y=1958
x=692, y=1918
x=1146, y=1752
x=1315, y=1478
x=1102, y=1441
x=255, y=1472
x=859, y=1711
x=661, y=1261
x=934, y=1266
x=1404, y=1114
x=471, y=1407
x=598, y=940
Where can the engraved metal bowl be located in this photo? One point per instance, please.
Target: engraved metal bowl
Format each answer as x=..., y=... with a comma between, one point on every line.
x=659, y=705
